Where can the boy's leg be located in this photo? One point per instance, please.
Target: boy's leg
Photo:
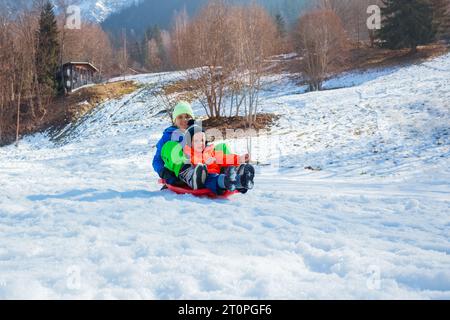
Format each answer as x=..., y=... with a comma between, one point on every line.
x=168, y=176
x=211, y=183
x=175, y=161
x=194, y=176
x=219, y=183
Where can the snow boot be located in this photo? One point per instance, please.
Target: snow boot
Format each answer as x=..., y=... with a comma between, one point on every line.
x=227, y=181
x=245, y=176
x=194, y=176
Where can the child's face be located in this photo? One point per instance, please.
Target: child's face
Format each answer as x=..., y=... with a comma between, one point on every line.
x=182, y=121
x=199, y=141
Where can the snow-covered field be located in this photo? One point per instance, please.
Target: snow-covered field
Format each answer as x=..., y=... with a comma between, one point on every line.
x=81, y=214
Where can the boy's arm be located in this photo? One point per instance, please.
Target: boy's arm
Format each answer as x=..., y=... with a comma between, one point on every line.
x=158, y=161
x=227, y=160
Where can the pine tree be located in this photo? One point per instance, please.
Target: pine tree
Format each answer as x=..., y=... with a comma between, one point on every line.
x=406, y=24
x=153, y=49
x=135, y=51
x=154, y=33
x=47, y=49
x=441, y=19
x=281, y=25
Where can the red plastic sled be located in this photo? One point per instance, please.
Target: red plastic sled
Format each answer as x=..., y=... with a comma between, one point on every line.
x=198, y=193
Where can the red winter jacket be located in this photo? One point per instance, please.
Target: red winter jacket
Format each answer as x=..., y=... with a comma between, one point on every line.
x=221, y=159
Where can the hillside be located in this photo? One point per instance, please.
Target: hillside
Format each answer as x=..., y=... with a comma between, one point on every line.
x=351, y=200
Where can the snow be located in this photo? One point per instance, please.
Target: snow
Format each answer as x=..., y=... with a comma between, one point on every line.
x=99, y=10
x=83, y=87
x=81, y=214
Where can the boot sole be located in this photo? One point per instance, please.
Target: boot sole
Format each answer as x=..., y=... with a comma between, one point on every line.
x=199, y=178
x=249, y=174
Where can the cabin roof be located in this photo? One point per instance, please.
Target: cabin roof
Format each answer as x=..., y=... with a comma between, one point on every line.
x=82, y=63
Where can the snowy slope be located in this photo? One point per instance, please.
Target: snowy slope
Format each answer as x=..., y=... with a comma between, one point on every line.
x=81, y=215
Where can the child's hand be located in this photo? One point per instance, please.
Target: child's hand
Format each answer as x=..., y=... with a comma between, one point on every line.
x=210, y=161
x=245, y=158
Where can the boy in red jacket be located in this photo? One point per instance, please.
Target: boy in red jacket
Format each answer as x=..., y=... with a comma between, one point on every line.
x=225, y=171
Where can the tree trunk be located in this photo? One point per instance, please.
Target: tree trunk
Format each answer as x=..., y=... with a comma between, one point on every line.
x=12, y=90
x=18, y=118
x=33, y=111
x=1, y=119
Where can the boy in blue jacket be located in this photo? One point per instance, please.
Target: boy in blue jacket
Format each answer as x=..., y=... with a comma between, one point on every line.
x=172, y=142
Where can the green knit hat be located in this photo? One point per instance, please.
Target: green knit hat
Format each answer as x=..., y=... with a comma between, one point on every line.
x=182, y=107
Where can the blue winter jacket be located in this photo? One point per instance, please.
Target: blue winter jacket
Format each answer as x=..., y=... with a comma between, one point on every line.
x=170, y=134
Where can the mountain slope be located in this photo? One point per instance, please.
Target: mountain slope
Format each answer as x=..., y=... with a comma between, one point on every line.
x=82, y=216
x=99, y=10
x=146, y=13
x=91, y=10
x=138, y=15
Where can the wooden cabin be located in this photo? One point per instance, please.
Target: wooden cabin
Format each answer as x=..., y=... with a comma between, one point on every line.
x=77, y=74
